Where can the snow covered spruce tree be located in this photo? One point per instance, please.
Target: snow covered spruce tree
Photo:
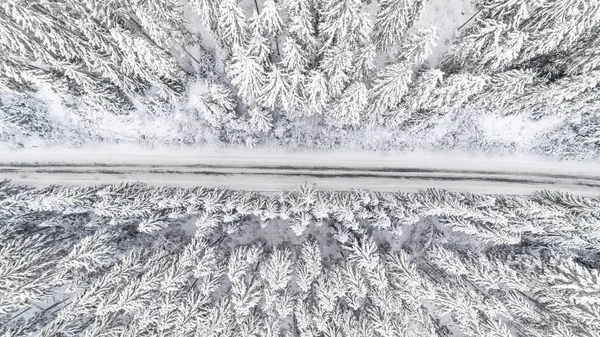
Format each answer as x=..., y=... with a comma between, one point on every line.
x=247, y=74
x=345, y=33
x=232, y=29
x=388, y=89
x=105, y=52
x=391, y=84
x=393, y=20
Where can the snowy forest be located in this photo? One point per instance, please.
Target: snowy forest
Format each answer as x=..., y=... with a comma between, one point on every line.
x=102, y=256
x=132, y=260
x=383, y=75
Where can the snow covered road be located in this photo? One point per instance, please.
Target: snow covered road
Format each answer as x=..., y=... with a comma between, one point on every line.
x=268, y=170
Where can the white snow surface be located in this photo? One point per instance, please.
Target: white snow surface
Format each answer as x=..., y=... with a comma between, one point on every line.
x=517, y=129
x=133, y=154
x=446, y=16
x=273, y=170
